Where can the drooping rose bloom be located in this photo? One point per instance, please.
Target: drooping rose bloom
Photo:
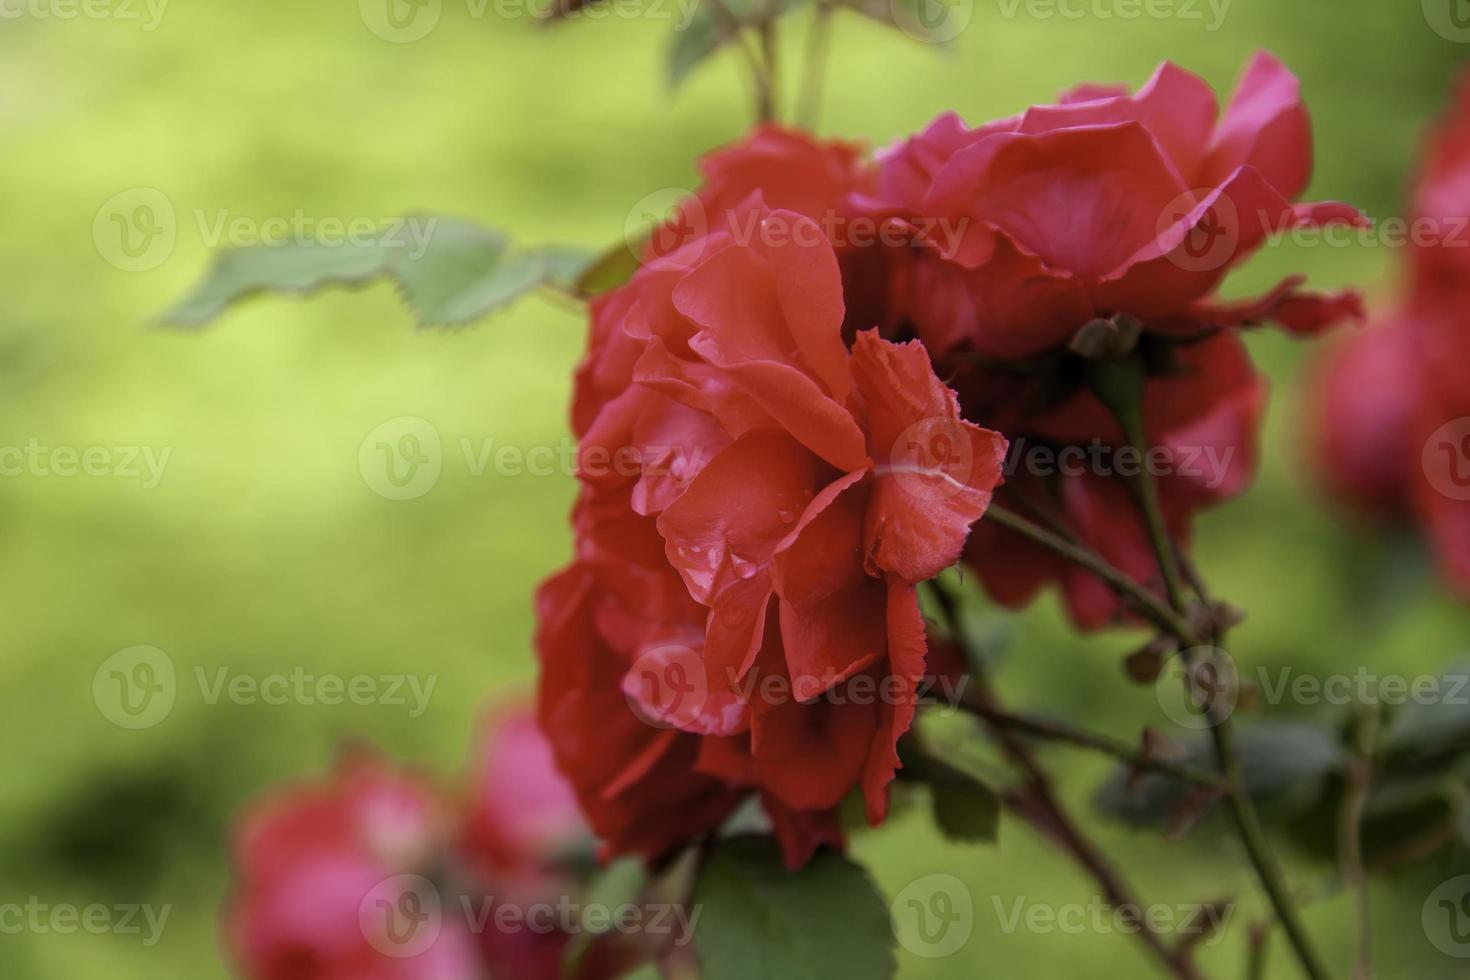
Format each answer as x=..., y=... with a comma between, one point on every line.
x=330, y=887
x=1390, y=408
x=759, y=501
x=1108, y=219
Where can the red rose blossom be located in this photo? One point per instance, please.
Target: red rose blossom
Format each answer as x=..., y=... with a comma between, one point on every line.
x=751, y=569
x=1108, y=218
x=1103, y=204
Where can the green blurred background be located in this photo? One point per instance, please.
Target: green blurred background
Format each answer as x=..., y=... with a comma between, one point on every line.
x=263, y=549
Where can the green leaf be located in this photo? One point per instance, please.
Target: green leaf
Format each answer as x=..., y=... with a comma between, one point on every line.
x=967, y=811
x=448, y=271
x=825, y=922
x=609, y=270
x=715, y=24
x=705, y=34
x=1434, y=725
x=297, y=268
x=617, y=884
x=965, y=808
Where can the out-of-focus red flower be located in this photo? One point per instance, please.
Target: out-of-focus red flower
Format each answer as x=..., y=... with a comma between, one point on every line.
x=748, y=572
x=374, y=873
x=1362, y=406
x=520, y=813
x=1390, y=408
x=319, y=868
x=524, y=843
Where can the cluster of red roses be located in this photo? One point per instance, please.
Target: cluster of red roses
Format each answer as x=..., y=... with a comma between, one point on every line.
x=818, y=370
x=1391, y=404
x=356, y=877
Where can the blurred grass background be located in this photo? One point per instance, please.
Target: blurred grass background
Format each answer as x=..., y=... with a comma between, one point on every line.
x=262, y=549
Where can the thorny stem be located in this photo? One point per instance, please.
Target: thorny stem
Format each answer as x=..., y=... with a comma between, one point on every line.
x=1046, y=813
x=1121, y=389
x=1145, y=602
x=1096, y=741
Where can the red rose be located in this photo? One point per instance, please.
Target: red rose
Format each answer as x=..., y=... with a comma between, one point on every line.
x=1118, y=213
x=1105, y=203
x=789, y=170
x=1070, y=461
x=748, y=573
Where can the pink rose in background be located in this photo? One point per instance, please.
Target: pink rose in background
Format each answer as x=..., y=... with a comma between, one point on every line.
x=1362, y=416
x=329, y=885
x=374, y=873
x=1389, y=412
